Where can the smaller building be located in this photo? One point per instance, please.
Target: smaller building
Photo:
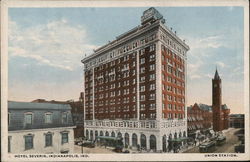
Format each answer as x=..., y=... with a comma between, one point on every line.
x=237, y=120
x=199, y=118
x=40, y=128
x=77, y=111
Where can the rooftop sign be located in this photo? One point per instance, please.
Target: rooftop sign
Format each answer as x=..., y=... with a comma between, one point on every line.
x=151, y=14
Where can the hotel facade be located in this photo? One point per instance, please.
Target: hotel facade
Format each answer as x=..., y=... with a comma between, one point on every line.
x=135, y=86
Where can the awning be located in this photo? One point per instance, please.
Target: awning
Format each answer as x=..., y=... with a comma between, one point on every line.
x=178, y=139
x=109, y=138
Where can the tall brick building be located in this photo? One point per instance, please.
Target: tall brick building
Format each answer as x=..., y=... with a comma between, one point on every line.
x=135, y=86
x=220, y=112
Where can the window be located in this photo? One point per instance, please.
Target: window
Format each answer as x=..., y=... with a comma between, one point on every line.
x=152, y=57
x=142, y=70
x=64, y=117
x=133, y=64
x=142, y=61
x=143, y=116
x=152, y=115
x=65, y=138
x=152, y=77
x=48, y=139
x=28, y=119
x=169, y=106
x=134, y=90
x=152, y=96
x=142, y=79
x=163, y=106
x=142, y=106
x=48, y=118
x=152, y=67
x=9, y=143
x=134, y=81
x=8, y=118
x=134, y=98
x=28, y=142
x=142, y=89
x=152, y=106
x=133, y=72
x=152, y=86
x=142, y=97
x=152, y=48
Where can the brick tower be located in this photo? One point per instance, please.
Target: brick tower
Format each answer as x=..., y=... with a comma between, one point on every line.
x=216, y=105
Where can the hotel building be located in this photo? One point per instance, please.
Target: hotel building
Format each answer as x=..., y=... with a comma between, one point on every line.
x=135, y=86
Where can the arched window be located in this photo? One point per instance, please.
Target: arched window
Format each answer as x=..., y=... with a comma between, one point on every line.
x=134, y=140
x=96, y=134
x=101, y=133
x=175, y=135
x=143, y=141
x=164, y=143
x=107, y=133
x=153, y=142
x=184, y=134
x=126, y=139
x=91, y=135
x=87, y=134
x=113, y=134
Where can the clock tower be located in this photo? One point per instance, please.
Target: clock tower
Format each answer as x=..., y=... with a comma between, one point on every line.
x=216, y=102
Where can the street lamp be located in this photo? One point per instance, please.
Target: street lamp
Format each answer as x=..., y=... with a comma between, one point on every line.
x=82, y=142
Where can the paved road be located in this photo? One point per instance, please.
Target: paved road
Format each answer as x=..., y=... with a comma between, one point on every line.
x=102, y=150
x=228, y=147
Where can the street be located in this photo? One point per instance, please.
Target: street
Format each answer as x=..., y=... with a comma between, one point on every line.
x=228, y=147
x=100, y=150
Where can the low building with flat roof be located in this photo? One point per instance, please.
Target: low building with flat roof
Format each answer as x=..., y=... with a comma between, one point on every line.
x=40, y=128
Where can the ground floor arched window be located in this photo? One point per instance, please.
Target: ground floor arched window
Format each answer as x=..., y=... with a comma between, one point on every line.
x=119, y=134
x=143, y=141
x=87, y=134
x=91, y=135
x=126, y=139
x=96, y=134
x=164, y=143
x=152, y=142
x=134, y=140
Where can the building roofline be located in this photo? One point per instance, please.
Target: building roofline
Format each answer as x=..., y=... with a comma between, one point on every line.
x=132, y=33
x=14, y=105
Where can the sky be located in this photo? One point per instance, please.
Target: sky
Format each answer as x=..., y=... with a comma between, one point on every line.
x=46, y=46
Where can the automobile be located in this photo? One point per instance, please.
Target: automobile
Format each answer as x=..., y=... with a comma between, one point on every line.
x=241, y=131
x=239, y=148
x=118, y=149
x=207, y=147
x=126, y=151
x=220, y=140
x=78, y=140
x=241, y=137
x=88, y=144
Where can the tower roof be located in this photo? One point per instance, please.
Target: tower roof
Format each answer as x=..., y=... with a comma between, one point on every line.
x=216, y=75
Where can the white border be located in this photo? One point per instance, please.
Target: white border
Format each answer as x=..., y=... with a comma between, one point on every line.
x=5, y=4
